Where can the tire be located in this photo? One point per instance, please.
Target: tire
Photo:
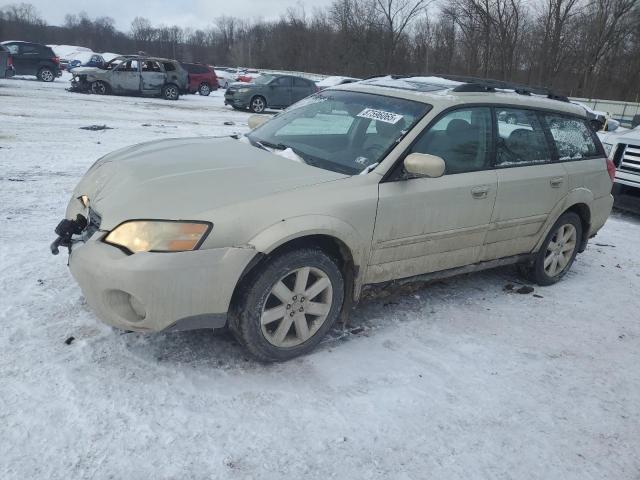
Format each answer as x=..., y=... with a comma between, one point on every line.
x=554, y=259
x=170, y=92
x=99, y=88
x=45, y=74
x=279, y=326
x=258, y=104
x=204, y=89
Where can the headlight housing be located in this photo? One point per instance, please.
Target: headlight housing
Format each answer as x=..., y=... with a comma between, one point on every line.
x=243, y=90
x=159, y=235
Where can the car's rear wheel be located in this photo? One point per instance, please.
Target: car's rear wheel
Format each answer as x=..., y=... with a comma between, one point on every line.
x=170, y=92
x=204, y=89
x=258, y=104
x=557, y=253
x=45, y=74
x=285, y=308
x=99, y=88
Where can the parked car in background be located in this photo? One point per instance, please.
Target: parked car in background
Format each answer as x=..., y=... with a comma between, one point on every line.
x=33, y=59
x=86, y=59
x=334, y=81
x=623, y=149
x=597, y=118
x=202, y=78
x=133, y=75
x=247, y=76
x=275, y=234
x=269, y=91
x=225, y=77
x=6, y=63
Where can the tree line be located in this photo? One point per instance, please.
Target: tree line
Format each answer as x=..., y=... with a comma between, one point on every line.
x=587, y=48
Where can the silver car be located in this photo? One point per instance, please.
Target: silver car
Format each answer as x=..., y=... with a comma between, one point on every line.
x=275, y=234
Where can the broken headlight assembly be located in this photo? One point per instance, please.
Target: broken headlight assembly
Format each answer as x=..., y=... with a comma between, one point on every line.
x=158, y=235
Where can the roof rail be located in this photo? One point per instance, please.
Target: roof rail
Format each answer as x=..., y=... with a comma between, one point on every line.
x=475, y=84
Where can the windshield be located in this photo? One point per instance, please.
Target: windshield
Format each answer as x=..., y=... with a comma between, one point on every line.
x=342, y=131
x=263, y=79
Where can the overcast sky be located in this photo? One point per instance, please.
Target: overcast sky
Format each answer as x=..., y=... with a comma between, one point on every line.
x=185, y=13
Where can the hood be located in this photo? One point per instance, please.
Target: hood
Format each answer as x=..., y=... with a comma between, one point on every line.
x=185, y=178
x=85, y=70
x=625, y=136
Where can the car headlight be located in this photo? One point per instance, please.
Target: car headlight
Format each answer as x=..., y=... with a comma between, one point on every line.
x=159, y=235
x=243, y=90
x=607, y=148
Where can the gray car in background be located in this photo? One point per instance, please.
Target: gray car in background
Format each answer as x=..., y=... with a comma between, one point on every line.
x=5, y=70
x=268, y=91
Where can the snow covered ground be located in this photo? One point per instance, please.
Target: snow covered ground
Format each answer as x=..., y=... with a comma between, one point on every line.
x=461, y=379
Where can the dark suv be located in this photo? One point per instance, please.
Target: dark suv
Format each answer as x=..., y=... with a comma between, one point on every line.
x=202, y=78
x=34, y=59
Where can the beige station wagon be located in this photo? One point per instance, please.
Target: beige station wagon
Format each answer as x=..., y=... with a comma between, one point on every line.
x=275, y=234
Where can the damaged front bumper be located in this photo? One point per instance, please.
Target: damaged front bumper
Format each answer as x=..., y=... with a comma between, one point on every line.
x=79, y=83
x=152, y=291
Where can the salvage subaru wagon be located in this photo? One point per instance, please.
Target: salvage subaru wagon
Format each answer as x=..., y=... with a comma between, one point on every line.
x=274, y=234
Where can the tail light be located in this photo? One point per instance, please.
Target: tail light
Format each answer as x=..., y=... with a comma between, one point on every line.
x=56, y=60
x=611, y=169
x=10, y=61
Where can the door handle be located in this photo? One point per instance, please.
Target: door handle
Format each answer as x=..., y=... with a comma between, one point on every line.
x=479, y=192
x=556, y=182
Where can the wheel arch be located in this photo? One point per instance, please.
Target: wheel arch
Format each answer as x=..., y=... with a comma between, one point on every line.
x=577, y=201
x=268, y=244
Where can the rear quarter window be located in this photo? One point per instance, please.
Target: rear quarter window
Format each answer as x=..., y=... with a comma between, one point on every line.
x=572, y=137
x=169, y=67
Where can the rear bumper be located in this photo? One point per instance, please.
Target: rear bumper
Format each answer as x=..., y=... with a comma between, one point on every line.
x=158, y=291
x=600, y=210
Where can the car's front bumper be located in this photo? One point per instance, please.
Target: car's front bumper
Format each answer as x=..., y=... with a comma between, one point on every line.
x=158, y=291
x=235, y=100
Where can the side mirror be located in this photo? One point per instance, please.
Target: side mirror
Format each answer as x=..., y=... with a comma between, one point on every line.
x=424, y=165
x=256, y=120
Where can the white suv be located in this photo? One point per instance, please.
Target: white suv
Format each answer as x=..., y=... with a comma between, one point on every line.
x=276, y=233
x=624, y=150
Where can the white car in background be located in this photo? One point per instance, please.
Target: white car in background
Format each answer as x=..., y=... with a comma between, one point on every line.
x=226, y=76
x=335, y=81
x=624, y=149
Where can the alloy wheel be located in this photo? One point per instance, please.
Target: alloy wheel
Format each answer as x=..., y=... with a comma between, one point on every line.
x=296, y=307
x=171, y=93
x=204, y=89
x=46, y=75
x=257, y=105
x=560, y=250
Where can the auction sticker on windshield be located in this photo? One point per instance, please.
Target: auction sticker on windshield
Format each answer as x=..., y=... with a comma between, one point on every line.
x=380, y=115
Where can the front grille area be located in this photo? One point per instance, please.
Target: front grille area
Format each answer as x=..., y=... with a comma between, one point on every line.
x=631, y=159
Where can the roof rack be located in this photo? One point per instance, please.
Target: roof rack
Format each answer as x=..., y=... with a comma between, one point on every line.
x=475, y=84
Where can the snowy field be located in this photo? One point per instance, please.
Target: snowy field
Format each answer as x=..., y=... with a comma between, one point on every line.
x=461, y=379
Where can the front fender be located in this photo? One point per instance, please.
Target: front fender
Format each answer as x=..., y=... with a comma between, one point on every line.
x=289, y=229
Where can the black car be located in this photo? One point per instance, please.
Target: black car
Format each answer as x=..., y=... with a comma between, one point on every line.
x=268, y=91
x=34, y=59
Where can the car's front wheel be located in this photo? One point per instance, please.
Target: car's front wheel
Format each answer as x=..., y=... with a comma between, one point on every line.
x=285, y=308
x=170, y=92
x=258, y=104
x=45, y=74
x=204, y=89
x=558, y=251
x=99, y=88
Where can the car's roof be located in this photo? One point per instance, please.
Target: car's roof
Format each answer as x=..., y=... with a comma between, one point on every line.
x=145, y=57
x=440, y=93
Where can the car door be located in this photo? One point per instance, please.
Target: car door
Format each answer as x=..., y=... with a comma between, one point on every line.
x=430, y=224
x=27, y=60
x=530, y=184
x=153, y=77
x=279, y=92
x=301, y=89
x=126, y=77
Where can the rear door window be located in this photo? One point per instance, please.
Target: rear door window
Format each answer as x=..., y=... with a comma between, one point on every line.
x=521, y=139
x=572, y=137
x=27, y=49
x=150, y=66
